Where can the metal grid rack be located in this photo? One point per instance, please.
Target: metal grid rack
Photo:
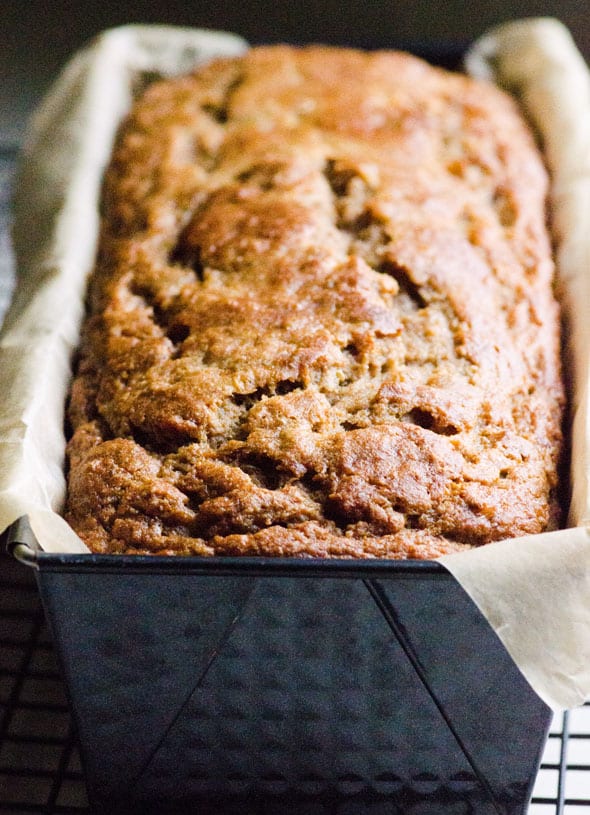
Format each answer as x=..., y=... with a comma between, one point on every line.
x=39, y=764
x=40, y=768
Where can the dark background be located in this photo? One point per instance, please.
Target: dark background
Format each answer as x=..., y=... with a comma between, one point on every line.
x=37, y=37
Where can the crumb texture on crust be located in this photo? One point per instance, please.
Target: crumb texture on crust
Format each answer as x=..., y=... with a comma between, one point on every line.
x=321, y=321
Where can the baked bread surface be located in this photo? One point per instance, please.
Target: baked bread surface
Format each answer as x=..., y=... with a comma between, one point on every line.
x=321, y=321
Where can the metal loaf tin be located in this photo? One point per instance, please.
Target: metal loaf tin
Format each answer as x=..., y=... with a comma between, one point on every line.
x=244, y=685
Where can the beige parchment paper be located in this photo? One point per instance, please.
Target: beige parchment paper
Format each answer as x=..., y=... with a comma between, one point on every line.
x=535, y=591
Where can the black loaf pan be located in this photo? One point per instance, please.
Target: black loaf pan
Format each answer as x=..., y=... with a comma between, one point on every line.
x=222, y=685
x=256, y=685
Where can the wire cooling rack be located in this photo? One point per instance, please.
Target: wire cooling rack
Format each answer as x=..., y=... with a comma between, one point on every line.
x=39, y=764
x=40, y=768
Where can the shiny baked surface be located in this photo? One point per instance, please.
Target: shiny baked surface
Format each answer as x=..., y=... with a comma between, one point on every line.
x=322, y=319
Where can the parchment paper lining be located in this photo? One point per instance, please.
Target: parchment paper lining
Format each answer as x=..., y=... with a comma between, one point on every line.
x=535, y=591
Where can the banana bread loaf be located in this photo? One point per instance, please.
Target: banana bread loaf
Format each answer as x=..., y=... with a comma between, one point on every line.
x=321, y=321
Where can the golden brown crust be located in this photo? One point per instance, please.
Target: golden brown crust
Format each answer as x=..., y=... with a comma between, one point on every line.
x=322, y=321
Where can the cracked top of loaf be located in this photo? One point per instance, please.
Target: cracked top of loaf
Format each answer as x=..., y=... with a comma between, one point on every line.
x=321, y=321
